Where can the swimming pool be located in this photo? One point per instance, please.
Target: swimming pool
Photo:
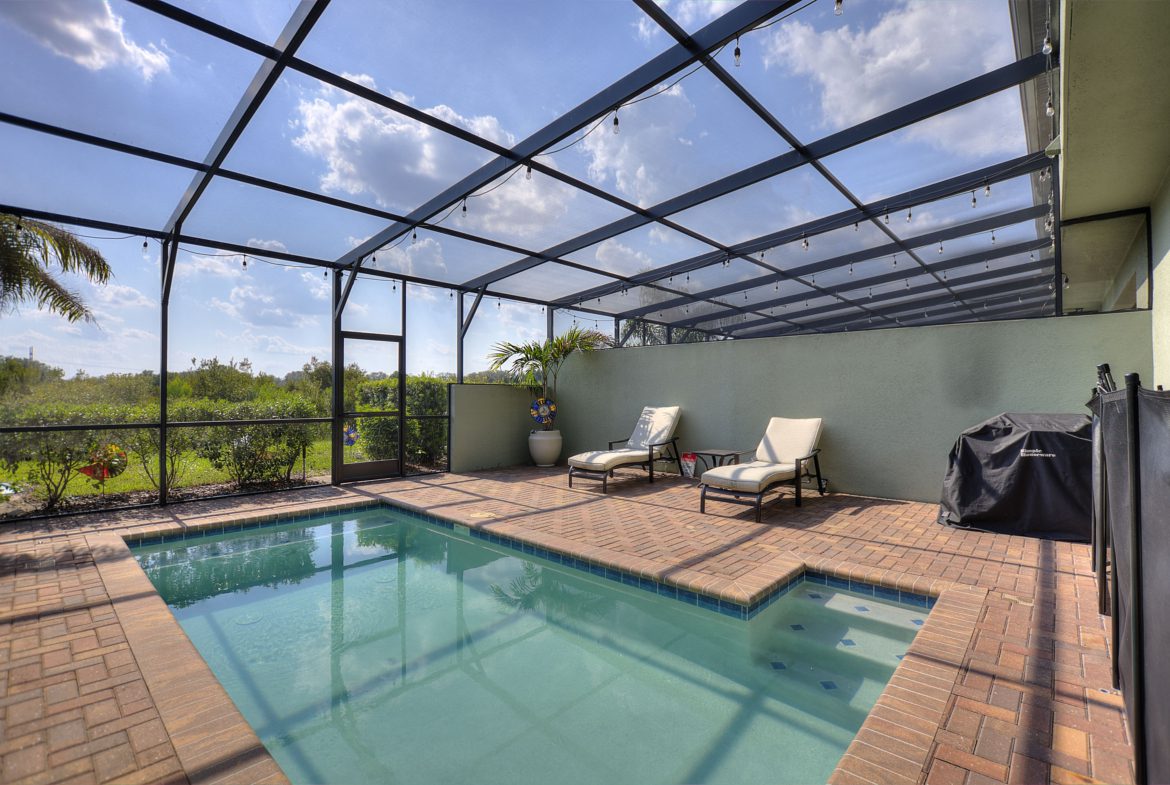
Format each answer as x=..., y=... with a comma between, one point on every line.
x=371, y=646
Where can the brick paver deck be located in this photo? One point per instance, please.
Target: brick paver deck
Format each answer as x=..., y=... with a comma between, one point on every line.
x=1008, y=682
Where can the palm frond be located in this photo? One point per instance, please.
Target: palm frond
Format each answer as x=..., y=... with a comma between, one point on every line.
x=27, y=248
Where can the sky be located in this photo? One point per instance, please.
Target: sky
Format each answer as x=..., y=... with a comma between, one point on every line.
x=502, y=70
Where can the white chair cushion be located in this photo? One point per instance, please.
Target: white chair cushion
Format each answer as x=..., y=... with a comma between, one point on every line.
x=655, y=426
x=786, y=440
x=606, y=460
x=750, y=477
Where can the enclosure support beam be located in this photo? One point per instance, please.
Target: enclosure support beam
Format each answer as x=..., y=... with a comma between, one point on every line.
x=294, y=33
x=549, y=327
x=170, y=248
x=1058, y=271
x=337, y=404
x=459, y=338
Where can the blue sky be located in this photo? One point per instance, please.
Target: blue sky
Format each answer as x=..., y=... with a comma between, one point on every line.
x=501, y=69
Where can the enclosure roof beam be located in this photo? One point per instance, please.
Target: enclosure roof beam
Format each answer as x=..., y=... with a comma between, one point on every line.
x=942, y=101
x=295, y=31
x=955, y=185
x=879, y=280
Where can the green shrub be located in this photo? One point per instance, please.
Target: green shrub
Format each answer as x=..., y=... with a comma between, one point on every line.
x=257, y=453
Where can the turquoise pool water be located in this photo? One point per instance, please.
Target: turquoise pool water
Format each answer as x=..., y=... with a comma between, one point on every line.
x=372, y=647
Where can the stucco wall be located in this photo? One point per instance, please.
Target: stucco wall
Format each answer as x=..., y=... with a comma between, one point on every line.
x=1160, y=220
x=893, y=400
x=489, y=426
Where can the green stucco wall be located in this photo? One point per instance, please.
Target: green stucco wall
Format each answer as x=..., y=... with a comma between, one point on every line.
x=1160, y=227
x=893, y=401
x=489, y=426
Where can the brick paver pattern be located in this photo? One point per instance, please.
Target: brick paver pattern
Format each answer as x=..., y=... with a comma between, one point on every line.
x=1020, y=694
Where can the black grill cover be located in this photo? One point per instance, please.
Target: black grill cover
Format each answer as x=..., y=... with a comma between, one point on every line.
x=1024, y=474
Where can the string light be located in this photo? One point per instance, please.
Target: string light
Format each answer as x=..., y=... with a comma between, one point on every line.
x=851, y=268
x=987, y=190
x=244, y=261
x=737, y=52
x=325, y=275
x=837, y=7
x=616, y=125
x=909, y=214
x=944, y=275
x=464, y=213
x=804, y=243
x=895, y=260
x=414, y=236
x=993, y=237
x=1049, y=107
x=855, y=226
x=528, y=172
x=871, y=292
x=940, y=247
x=973, y=202
x=887, y=216
x=145, y=248
x=1064, y=280
x=1046, y=46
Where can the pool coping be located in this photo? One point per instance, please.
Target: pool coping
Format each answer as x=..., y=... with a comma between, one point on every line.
x=893, y=745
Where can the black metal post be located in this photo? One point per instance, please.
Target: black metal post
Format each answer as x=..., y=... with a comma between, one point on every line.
x=164, y=312
x=1058, y=269
x=459, y=339
x=337, y=402
x=1137, y=634
x=549, y=328
x=402, y=386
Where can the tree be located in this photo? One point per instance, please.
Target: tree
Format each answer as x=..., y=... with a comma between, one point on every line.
x=536, y=364
x=28, y=249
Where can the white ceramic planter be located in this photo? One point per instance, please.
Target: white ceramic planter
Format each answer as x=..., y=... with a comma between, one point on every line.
x=545, y=447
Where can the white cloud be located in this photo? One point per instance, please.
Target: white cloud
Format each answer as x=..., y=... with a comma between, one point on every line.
x=616, y=257
x=134, y=334
x=316, y=285
x=121, y=296
x=253, y=305
x=915, y=49
x=88, y=32
x=644, y=161
x=401, y=163
x=423, y=258
x=220, y=266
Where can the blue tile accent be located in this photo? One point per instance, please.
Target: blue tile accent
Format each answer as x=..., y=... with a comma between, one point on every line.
x=899, y=656
x=847, y=642
x=917, y=622
x=829, y=685
x=812, y=595
x=797, y=627
x=779, y=666
x=861, y=587
x=725, y=607
x=861, y=608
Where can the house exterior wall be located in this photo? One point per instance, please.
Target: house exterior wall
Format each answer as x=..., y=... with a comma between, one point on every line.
x=1160, y=325
x=893, y=401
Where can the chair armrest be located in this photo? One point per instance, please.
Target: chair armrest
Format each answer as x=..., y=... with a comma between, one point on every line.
x=618, y=441
x=810, y=455
x=672, y=440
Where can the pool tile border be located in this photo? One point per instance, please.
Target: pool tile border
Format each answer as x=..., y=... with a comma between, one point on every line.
x=719, y=603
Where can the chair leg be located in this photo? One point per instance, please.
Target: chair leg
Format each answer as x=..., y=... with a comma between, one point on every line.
x=605, y=483
x=650, y=466
x=796, y=483
x=820, y=480
x=570, y=476
x=703, y=500
x=759, y=506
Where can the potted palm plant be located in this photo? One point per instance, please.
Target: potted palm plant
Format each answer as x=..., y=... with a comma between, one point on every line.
x=535, y=365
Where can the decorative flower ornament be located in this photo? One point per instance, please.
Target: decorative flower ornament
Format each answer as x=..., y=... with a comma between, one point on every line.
x=105, y=462
x=350, y=435
x=544, y=410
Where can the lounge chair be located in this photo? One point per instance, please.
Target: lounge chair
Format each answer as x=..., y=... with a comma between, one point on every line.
x=653, y=439
x=785, y=452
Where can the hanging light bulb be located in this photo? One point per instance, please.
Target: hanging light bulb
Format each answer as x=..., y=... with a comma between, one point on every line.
x=1064, y=280
x=745, y=297
x=373, y=260
x=986, y=264
x=887, y=216
x=528, y=172
x=616, y=125
x=993, y=237
x=804, y=243
x=909, y=214
x=1049, y=107
x=414, y=236
x=1031, y=256
x=871, y=292
x=895, y=260
x=1046, y=46
x=940, y=247
x=944, y=275
x=464, y=213
x=855, y=226
x=497, y=303
x=837, y=7
x=244, y=261
x=987, y=190
x=907, y=280
x=737, y=52
x=973, y=202
x=813, y=280
x=325, y=275
x=145, y=248
x=851, y=268
x=451, y=296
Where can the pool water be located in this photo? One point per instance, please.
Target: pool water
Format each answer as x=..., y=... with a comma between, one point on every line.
x=372, y=647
